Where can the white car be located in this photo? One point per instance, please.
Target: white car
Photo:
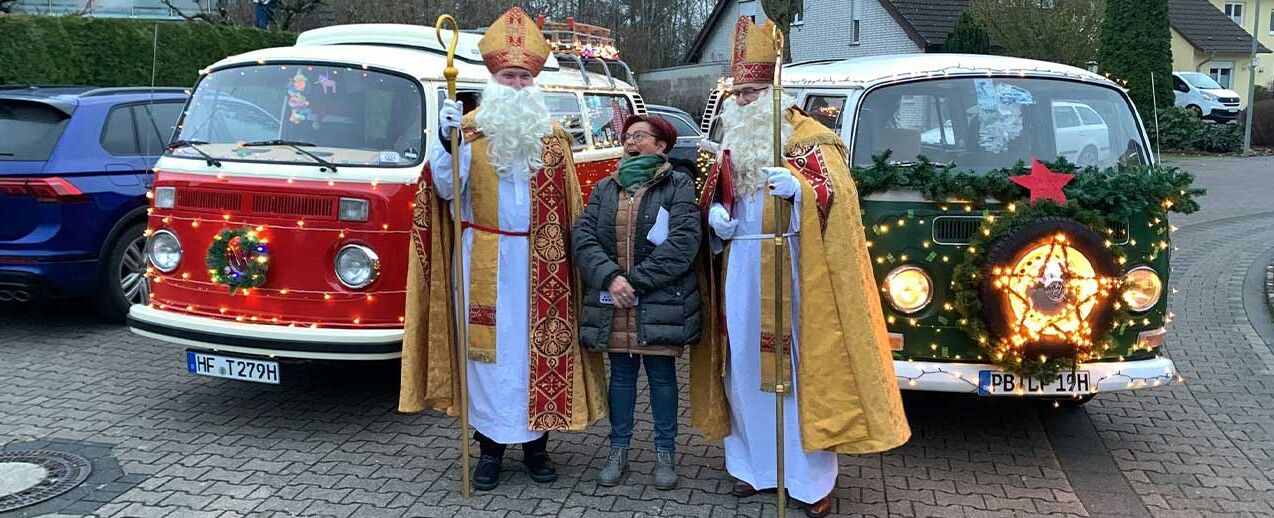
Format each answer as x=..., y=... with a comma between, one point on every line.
x=1204, y=97
x=1079, y=132
x=1082, y=135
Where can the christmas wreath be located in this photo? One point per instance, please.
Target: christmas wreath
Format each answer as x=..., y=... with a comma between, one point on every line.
x=238, y=259
x=1069, y=210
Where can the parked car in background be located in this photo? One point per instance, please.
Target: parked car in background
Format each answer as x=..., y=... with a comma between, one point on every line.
x=1204, y=97
x=74, y=171
x=1081, y=134
x=686, y=152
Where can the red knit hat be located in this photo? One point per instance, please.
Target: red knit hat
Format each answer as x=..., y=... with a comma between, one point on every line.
x=664, y=131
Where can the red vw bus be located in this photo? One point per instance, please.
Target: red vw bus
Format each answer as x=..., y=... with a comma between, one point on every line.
x=280, y=218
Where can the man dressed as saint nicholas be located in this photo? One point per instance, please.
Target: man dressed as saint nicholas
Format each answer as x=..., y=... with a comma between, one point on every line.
x=519, y=196
x=842, y=396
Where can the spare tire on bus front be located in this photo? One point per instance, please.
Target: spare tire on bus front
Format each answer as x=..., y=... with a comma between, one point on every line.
x=1046, y=289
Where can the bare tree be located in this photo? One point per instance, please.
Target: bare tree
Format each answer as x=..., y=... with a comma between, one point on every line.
x=286, y=12
x=649, y=33
x=1062, y=31
x=216, y=12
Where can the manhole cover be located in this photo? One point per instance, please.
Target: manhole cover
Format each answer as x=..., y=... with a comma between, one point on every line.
x=31, y=477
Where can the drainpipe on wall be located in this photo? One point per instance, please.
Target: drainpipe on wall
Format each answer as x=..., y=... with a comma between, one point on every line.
x=1198, y=67
x=1251, y=82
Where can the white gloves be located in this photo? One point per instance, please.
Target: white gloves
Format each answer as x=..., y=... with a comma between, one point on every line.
x=449, y=115
x=782, y=183
x=719, y=220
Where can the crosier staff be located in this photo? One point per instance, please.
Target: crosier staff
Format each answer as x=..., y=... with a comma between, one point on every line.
x=459, y=323
x=781, y=215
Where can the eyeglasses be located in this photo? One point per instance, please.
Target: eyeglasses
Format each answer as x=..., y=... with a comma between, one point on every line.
x=637, y=136
x=748, y=92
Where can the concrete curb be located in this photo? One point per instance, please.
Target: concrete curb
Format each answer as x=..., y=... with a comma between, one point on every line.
x=1269, y=288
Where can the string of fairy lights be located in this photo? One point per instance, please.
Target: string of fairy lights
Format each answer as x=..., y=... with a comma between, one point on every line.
x=257, y=231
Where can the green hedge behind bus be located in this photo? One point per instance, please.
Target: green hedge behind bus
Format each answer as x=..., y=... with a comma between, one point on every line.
x=75, y=50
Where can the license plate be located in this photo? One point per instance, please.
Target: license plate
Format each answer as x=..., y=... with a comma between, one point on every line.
x=993, y=383
x=232, y=368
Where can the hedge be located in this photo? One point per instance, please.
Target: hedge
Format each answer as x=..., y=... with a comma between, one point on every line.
x=113, y=52
x=1181, y=130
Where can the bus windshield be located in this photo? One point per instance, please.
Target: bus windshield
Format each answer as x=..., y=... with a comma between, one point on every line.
x=993, y=123
x=345, y=115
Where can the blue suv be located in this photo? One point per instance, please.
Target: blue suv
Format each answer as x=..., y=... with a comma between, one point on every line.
x=75, y=166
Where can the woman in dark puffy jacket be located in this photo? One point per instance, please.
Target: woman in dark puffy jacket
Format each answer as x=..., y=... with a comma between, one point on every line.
x=635, y=247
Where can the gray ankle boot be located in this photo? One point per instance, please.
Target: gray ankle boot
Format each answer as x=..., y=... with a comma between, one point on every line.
x=665, y=470
x=615, y=469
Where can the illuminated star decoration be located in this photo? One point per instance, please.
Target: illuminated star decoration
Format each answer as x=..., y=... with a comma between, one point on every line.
x=1043, y=183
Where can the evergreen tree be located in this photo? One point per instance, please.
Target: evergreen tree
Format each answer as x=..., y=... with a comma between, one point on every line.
x=1136, y=41
x=968, y=37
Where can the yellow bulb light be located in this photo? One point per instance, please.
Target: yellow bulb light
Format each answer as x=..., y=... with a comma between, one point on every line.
x=1142, y=288
x=909, y=289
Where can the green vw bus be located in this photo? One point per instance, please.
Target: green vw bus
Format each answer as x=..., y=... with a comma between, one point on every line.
x=1016, y=219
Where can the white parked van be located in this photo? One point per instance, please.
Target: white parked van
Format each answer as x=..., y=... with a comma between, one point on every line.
x=1203, y=96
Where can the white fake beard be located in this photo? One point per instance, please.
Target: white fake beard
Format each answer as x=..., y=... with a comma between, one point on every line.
x=749, y=135
x=514, y=122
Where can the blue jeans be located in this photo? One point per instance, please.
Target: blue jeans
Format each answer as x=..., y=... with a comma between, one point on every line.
x=661, y=372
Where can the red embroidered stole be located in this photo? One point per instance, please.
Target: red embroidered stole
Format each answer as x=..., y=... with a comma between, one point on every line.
x=552, y=319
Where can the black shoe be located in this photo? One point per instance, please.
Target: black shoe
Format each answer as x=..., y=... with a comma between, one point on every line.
x=539, y=467
x=487, y=475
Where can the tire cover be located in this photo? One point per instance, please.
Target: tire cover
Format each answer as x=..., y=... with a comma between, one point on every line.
x=1009, y=249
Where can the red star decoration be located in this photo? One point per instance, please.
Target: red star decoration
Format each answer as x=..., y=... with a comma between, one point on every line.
x=1043, y=183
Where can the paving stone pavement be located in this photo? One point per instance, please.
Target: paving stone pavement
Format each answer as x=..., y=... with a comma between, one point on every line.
x=330, y=444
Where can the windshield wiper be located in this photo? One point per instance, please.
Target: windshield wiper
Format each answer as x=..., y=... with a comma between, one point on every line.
x=297, y=146
x=194, y=144
x=912, y=163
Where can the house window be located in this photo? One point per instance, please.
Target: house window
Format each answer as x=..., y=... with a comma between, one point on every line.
x=1047, y=4
x=798, y=12
x=1223, y=75
x=1235, y=12
x=854, y=33
x=1271, y=22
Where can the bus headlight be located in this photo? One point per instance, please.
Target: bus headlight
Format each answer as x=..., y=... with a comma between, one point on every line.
x=357, y=266
x=1142, y=288
x=909, y=289
x=164, y=251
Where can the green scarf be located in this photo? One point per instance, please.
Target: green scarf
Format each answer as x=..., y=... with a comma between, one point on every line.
x=636, y=170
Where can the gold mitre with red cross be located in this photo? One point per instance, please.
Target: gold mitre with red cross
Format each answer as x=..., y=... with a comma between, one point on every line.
x=754, y=52
x=514, y=40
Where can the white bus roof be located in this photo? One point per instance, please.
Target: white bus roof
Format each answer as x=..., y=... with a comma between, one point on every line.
x=871, y=71
x=410, y=49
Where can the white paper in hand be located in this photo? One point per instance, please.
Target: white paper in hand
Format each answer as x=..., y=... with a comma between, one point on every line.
x=659, y=232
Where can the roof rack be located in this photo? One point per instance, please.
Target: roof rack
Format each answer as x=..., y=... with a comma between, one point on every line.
x=584, y=44
x=97, y=92
x=582, y=63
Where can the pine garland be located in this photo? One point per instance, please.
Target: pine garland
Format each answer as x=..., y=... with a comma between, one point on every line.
x=1095, y=198
x=1115, y=193
x=247, y=273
